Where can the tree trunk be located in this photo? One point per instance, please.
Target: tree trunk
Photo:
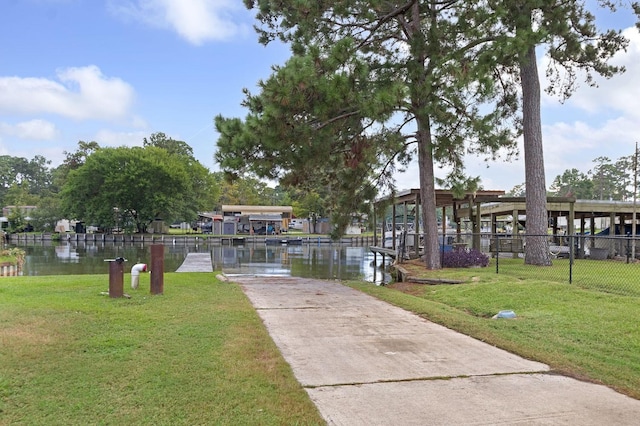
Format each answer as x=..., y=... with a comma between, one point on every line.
x=428, y=196
x=421, y=49
x=537, y=252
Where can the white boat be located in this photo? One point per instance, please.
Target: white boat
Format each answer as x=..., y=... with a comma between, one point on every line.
x=400, y=239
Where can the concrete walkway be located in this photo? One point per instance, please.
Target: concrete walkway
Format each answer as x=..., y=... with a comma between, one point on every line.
x=365, y=362
x=196, y=262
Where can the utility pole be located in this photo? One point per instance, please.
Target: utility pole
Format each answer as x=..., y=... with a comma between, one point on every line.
x=635, y=199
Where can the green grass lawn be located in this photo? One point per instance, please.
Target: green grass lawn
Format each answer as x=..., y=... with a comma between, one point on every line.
x=580, y=332
x=607, y=275
x=198, y=354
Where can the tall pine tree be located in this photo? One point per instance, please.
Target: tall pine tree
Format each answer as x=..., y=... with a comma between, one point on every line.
x=371, y=81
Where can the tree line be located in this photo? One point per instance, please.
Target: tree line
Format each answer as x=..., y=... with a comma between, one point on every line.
x=129, y=187
x=614, y=180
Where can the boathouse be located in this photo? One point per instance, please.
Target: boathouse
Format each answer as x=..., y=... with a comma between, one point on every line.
x=255, y=220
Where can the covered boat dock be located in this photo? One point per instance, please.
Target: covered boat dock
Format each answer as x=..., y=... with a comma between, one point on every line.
x=486, y=210
x=462, y=204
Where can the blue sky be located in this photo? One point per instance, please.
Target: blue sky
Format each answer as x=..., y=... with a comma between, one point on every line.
x=116, y=71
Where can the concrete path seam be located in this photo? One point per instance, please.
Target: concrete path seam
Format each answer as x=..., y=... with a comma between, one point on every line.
x=427, y=379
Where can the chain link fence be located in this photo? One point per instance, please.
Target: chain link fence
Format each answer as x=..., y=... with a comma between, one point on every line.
x=606, y=263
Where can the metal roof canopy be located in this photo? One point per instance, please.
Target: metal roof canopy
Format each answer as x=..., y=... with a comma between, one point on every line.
x=265, y=217
x=585, y=208
x=493, y=203
x=444, y=197
x=568, y=207
x=211, y=216
x=244, y=210
x=500, y=204
x=516, y=206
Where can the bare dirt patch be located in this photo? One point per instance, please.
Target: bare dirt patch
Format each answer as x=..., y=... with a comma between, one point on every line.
x=36, y=332
x=415, y=271
x=408, y=288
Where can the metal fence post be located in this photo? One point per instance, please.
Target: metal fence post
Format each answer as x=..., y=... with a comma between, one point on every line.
x=628, y=247
x=571, y=256
x=497, y=253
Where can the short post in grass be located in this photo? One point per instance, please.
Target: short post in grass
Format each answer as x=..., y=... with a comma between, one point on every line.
x=157, y=268
x=116, y=277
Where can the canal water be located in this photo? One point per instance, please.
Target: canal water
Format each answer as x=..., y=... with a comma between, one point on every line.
x=324, y=261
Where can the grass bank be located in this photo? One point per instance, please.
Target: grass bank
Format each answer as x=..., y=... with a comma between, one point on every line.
x=198, y=354
x=583, y=333
x=12, y=256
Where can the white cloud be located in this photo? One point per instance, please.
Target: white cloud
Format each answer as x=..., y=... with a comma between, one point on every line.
x=81, y=93
x=619, y=93
x=30, y=130
x=576, y=145
x=596, y=121
x=196, y=21
x=112, y=138
x=593, y=122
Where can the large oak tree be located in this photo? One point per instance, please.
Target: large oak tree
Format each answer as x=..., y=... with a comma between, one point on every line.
x=131, y=186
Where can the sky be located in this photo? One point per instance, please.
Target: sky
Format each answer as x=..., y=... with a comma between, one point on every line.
x=116, y=71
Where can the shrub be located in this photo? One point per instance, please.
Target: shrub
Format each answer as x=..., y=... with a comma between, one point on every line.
x=464, y=258
x=14, y=256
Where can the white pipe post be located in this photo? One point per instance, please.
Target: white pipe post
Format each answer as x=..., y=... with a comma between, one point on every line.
x=135, y=274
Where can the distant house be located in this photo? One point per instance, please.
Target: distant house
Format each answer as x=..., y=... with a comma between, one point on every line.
x=258, y=220
x=27, y=211
x=210, y=223
x=7, y=211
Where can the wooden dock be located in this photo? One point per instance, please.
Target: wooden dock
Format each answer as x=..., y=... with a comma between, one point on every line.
x=182, y=239
x=196, y=262
x=384, y=251
x=394, y=252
